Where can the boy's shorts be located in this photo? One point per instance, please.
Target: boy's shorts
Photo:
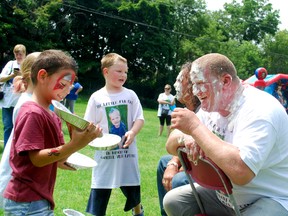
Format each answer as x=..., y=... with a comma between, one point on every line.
x=35, y=208
x=99, y=198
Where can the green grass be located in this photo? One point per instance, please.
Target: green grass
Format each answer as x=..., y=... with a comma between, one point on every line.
x=73, y=188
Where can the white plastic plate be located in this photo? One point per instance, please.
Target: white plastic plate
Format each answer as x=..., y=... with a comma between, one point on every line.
x=80, y=161
x=106, y=142
x=72, y=212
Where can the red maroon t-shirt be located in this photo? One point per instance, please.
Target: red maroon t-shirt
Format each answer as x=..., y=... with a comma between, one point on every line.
x=35, y=129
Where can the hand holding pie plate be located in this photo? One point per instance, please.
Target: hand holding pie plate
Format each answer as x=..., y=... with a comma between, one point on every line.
x=106, y=142
x=66, y=115
x=80, y=161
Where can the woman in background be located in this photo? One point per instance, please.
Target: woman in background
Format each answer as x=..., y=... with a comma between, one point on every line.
x=10, y=98
x=165, y=100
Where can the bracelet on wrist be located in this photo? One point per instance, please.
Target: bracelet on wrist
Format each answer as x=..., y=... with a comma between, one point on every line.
x=173, y=163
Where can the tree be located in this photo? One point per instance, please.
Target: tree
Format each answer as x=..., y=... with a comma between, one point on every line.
x=246, y=56
x=249, y=21
x=209, y=41
x=36, y=24
x=276, y=52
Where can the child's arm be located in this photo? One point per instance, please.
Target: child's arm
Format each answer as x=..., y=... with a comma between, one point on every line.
x=79, y=90
x=130, y=135
x=79, y=139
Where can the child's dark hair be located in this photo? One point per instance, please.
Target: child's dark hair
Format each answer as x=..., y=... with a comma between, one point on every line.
x=52, y=61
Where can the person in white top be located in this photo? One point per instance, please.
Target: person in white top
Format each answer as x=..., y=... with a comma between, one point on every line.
x=244, y=131
x=22, y=84
x=170, y=173
x=166, y=102
x=117, y=168
x=10, y=70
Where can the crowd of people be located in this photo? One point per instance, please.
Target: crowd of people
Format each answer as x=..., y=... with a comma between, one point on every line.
x=240, y=128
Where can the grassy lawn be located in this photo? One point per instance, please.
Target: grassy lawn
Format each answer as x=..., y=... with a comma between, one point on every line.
x=73, y=188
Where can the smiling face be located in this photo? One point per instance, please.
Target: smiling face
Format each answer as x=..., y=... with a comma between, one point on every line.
x=183, y=86
x=55, y=86
x=19, y=56
x=206, y=87
x=63, y=84
x=115, y=118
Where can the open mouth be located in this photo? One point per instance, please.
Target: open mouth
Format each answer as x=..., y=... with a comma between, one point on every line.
x=202, y=98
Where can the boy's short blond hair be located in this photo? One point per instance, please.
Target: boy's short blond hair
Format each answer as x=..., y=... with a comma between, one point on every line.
x=110, y=59
x=19, y=48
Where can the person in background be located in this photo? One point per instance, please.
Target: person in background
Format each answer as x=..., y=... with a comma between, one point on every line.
x=277, y=93
x=116, y=168
x=71, y=98
x=10, y=70
x=170, y=173
x=241, y=129
x=165, y=100
x=37, y=147
x=22, y=84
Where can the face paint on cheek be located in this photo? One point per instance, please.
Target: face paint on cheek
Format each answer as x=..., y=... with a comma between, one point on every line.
x=70, y=78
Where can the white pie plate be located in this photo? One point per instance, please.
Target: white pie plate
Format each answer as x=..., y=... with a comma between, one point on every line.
x=80, y=161
x=72, y=212
x=106, y=142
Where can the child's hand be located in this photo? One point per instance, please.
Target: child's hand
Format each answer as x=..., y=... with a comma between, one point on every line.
x=129, y=137
x=81, y=138
x=65, y=166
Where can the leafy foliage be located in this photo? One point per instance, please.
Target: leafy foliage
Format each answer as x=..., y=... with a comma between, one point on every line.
x=276, y=52
x=155, y=36
x=249, y=21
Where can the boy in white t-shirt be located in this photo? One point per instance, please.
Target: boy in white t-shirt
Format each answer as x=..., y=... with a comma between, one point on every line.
x=116, y=168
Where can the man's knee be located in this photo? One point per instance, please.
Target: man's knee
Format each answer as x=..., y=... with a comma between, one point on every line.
x=168, y=202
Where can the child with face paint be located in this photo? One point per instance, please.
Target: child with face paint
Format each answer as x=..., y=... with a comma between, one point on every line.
x=38, y=146
x=116, y=168
x=241, y=129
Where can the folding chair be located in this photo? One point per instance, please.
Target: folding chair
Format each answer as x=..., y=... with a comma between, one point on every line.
x=207, y=174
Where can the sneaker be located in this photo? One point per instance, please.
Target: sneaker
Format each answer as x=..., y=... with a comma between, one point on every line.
x=141, y=214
